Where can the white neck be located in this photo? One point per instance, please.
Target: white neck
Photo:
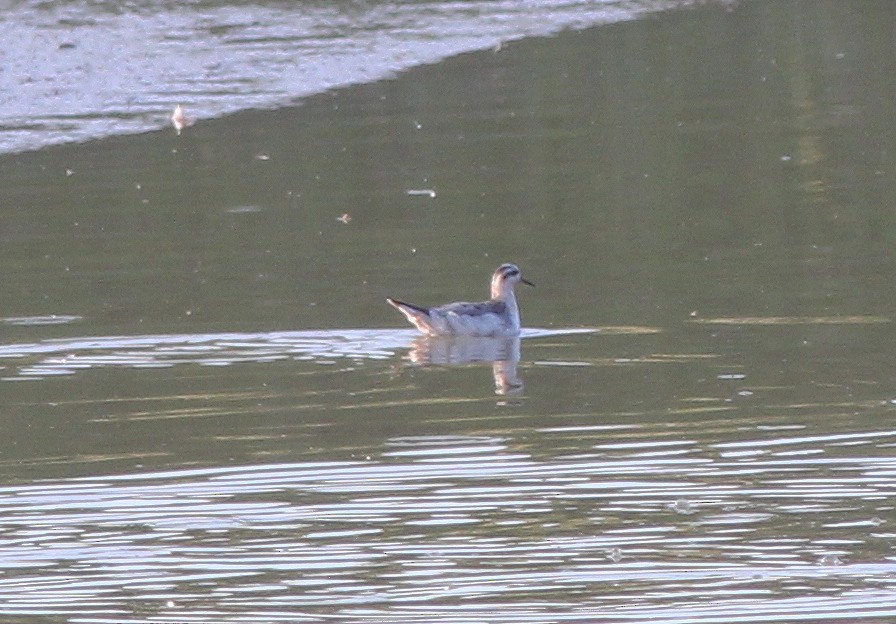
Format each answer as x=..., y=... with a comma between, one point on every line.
x=501, y=290
x=508, y=296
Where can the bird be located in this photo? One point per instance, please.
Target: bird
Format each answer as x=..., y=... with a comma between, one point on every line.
x=499, y=316
x=180, y=120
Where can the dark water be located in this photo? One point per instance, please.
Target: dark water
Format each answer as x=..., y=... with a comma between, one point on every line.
x=211, y=415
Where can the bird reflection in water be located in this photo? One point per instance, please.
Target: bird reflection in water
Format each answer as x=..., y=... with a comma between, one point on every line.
x=503, y=352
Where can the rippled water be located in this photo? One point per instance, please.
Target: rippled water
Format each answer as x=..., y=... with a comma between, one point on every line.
x=83, y=70
x=210, y=414
x=556, y=523
x=68, y=356
x=721, y=509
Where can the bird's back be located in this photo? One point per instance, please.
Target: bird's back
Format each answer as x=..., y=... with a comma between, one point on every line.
x=483, y=318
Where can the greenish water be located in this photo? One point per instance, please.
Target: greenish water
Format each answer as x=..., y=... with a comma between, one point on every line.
x=212, y=415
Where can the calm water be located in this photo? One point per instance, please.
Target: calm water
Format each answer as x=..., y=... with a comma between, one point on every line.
x=211, y=415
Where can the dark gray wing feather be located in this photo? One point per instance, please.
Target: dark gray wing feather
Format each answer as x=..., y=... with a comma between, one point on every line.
x=412, y=306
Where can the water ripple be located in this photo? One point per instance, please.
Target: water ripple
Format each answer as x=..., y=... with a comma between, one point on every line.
x=458, y=527
x=70, y=355
x=217, y=59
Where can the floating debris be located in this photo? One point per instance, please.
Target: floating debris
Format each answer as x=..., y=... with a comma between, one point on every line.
x=262, y=156
x=180, y=120
x=730, y=376
x=346, y=218
x=49, y=319
x=682, y=506
x=830, y=559
x=422, y=192
x=243, y=209
x=855, y=319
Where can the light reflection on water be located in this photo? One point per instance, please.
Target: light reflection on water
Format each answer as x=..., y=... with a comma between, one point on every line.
x=219, y=58
x=470, y=526
x=67, y=356
x=695, y=510
x=728, y=457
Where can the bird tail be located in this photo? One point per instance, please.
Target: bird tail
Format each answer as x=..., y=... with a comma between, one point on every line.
x=399, y=305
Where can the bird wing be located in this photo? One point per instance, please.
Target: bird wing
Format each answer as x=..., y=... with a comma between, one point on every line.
x=463, y=308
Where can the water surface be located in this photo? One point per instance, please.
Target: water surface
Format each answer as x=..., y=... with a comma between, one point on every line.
x=81, y=70
x=211, y=415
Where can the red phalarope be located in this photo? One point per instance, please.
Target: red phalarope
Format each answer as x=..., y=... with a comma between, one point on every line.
x=499, y=316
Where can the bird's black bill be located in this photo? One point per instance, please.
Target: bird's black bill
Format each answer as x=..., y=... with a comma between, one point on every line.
x=527, y=282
